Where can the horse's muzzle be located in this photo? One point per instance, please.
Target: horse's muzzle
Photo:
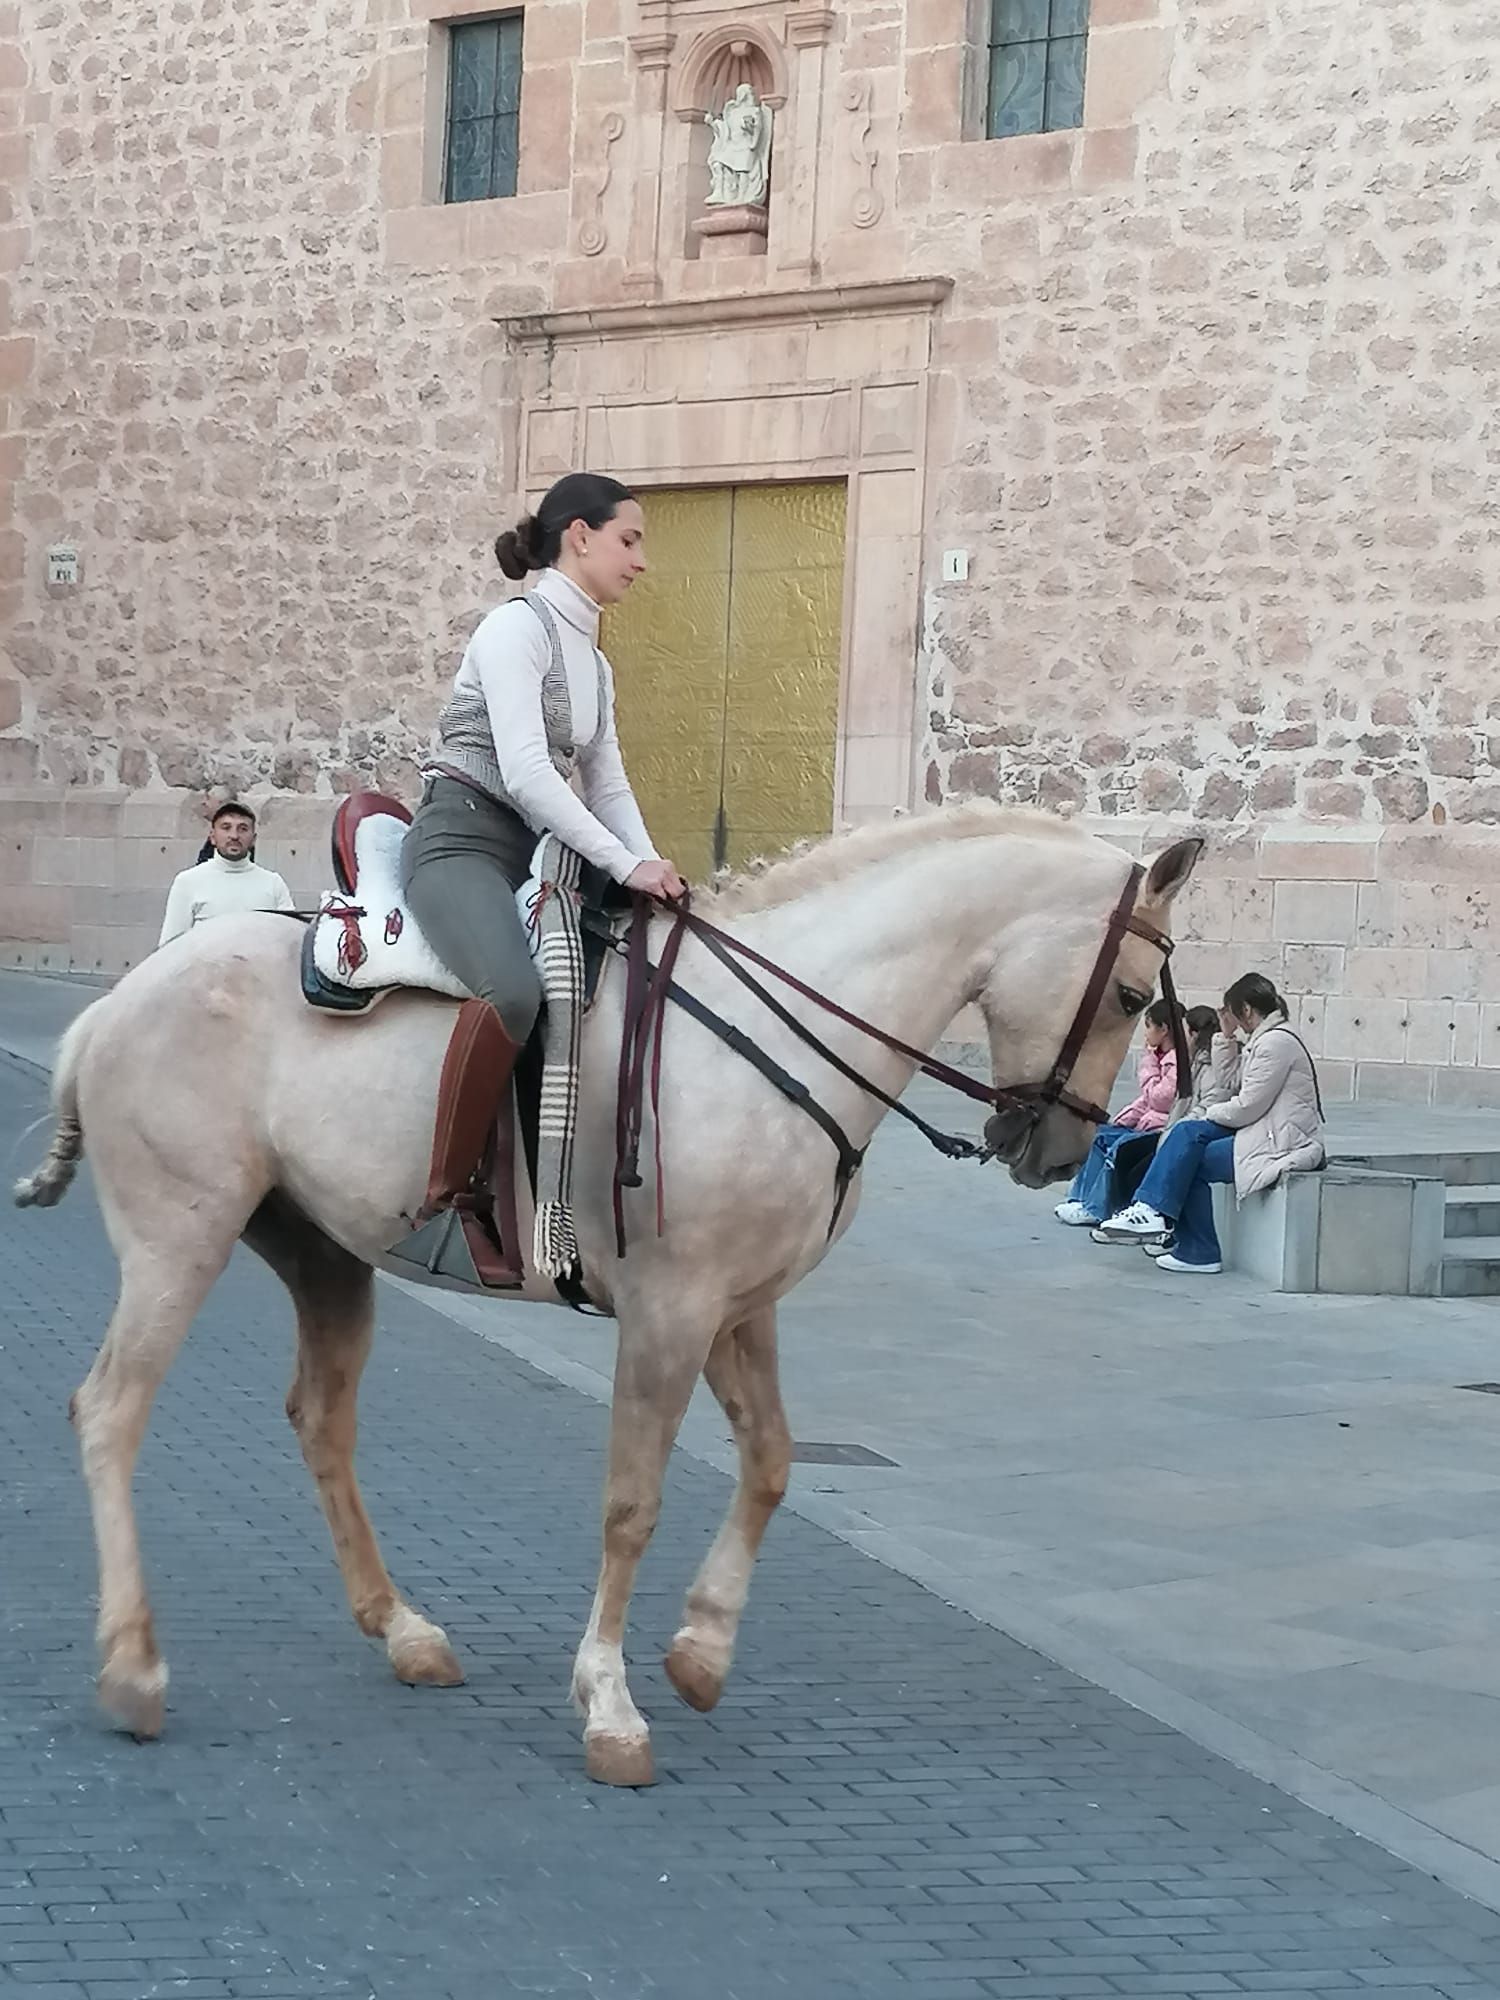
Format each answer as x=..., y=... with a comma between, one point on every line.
x=1040, y=1144
x=1008, y=1132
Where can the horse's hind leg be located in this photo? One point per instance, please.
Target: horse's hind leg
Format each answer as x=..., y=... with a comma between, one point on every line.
x=741, y=1371
x=334, y=1294
x=159, y=1294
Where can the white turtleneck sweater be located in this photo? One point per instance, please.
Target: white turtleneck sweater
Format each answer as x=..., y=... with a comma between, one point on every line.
x=220, y=888
x=507, y=657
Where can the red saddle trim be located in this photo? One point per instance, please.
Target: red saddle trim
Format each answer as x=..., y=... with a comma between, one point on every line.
x=352, y=949
x=349, y=816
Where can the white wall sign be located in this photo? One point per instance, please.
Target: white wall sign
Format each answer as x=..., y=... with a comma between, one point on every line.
x=62, y=564
x=955, y=565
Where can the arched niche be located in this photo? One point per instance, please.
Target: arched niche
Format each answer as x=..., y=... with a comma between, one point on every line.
x=709, y=75
x=720, y=61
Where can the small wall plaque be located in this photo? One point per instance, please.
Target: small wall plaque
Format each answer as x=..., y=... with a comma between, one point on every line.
x=62, y=564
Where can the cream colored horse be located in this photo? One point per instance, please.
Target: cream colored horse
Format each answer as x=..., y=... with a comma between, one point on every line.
x=217, y=1106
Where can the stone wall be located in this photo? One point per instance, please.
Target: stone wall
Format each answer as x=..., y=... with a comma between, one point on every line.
x=1384, y=940
x=1207, y=404
x=1381, y=938
x=272, y=453
x=1220, y=423
x=84, y=873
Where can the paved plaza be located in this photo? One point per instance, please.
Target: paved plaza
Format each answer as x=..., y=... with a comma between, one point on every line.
x=1268, y=1523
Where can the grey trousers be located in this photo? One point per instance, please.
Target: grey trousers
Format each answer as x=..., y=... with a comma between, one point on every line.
x=462, y=861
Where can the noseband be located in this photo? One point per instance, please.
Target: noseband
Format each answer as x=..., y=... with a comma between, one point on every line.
x=650, y=988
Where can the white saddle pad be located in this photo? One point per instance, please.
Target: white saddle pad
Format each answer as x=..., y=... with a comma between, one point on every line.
x=370, y=941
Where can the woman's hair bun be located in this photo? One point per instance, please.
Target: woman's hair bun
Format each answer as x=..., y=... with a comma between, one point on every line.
x=536, y=541
x=516, y=550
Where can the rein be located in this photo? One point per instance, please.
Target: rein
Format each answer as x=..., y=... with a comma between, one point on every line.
x=649, y=989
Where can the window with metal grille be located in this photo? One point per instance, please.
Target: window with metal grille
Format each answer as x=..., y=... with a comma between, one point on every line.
x=484, y=109
x=1037, y=50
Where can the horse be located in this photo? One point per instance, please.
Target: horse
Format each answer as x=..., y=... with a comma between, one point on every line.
x=219, y=1108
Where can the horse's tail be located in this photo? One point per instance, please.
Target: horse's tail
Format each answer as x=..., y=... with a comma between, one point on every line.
x=51, y=1181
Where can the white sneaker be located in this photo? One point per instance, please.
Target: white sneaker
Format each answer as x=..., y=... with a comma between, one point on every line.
x=1102, y=1235
x=1073, y=1215
x=1135, y=1223
x=1171, y=1263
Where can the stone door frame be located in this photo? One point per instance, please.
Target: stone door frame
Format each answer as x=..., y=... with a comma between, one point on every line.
x=833, y=383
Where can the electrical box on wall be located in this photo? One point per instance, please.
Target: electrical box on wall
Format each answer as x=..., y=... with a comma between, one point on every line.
x=955, y=565
x=62, y=565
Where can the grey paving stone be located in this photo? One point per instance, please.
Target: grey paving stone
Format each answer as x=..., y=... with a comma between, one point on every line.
x=892, y=1802
x=14, y=1958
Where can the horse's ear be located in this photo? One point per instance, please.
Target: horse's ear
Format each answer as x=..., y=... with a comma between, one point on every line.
x=1171, y=869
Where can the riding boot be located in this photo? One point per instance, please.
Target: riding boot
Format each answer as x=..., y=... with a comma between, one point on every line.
x=454, y=1238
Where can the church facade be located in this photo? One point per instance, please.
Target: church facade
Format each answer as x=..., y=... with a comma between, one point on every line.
x=1086, y=403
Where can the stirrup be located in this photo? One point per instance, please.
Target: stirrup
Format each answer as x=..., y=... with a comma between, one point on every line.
x=453, y=1248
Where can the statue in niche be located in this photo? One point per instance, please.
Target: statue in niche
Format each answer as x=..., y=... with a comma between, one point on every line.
x=739, y=160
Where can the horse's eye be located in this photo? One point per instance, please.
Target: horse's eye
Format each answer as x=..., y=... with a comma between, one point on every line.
x=1133, y=1003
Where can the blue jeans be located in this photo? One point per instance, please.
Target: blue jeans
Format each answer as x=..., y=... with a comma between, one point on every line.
x=1192, y=1156
x=1093, y=1185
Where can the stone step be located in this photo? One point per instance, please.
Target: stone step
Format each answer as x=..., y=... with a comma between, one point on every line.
x=1471, y=1268
x=1457, y=1169
x=1472, y=1211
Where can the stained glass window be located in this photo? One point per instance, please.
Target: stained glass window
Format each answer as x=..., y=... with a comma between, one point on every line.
x=484, y=108
x=1037, y=50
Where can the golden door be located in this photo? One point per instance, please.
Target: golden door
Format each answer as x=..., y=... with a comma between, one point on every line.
x=726, y=658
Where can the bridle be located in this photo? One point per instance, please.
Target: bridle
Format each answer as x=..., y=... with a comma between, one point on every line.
x=1016, y=1108
x=1034, y=1098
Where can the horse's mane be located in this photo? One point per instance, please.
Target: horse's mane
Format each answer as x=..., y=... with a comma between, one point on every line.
x=813, y=865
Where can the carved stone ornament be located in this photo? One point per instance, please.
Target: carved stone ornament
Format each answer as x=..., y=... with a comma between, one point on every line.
x=739, y=160
x=591, y=237
x=868, y=205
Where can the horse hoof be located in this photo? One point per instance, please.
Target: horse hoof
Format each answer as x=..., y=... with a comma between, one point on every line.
x=419, y=1653
x=699, y=1684
x=134, y=1697
x=619, y=1760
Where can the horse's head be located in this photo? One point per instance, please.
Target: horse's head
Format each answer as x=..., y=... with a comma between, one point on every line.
x=1041, y=982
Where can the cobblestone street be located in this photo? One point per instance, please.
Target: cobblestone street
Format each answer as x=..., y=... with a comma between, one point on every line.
x=892, y=1800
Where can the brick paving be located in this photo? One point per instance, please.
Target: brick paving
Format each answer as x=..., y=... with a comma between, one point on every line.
x=893, y=1801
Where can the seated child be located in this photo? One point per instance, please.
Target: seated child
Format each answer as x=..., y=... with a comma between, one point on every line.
x=1090, y=1198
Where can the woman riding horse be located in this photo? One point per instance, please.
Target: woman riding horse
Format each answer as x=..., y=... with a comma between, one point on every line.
x=532, y=704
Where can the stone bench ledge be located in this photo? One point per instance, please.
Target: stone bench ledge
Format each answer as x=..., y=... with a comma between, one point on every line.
x=1348, y=1229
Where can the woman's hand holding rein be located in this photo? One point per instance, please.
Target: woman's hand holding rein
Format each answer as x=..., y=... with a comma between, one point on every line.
x=657, y=878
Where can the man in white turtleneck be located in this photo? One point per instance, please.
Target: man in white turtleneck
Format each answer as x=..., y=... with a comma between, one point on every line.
x=228, y=882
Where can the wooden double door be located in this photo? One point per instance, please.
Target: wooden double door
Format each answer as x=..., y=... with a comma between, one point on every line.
x=727, y=665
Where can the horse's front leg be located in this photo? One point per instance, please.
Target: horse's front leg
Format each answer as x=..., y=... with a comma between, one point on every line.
x=658, y=1361
x=742, y=1373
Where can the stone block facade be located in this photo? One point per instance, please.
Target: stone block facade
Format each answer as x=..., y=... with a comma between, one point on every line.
x=84, y=874
x=1383, y=939
x=1202, y=391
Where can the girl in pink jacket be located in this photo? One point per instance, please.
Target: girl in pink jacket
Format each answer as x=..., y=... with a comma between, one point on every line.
x=1151, y=1107
x=1089, y=1198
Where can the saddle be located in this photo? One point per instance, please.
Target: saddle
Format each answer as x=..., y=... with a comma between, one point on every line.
x=364, y=943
